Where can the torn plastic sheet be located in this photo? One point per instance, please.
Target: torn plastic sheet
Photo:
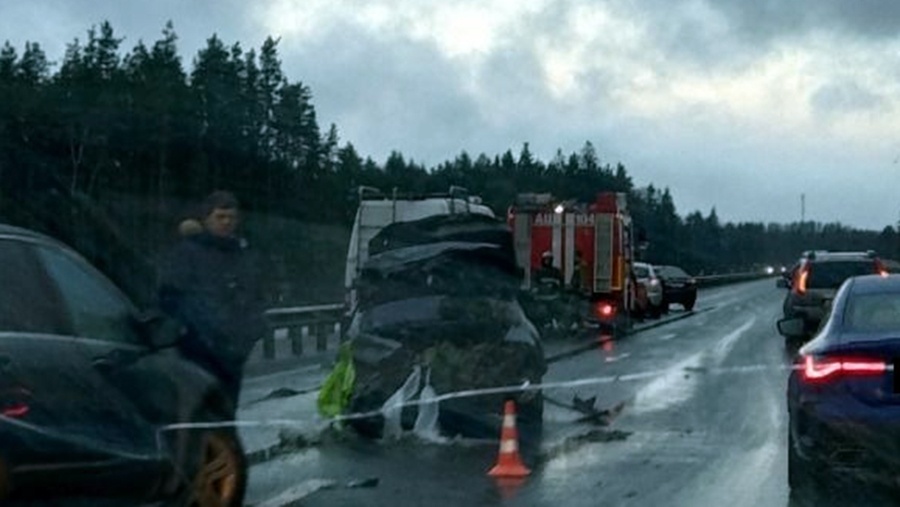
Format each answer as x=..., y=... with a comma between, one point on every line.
x=393, y=407
x=426, y=426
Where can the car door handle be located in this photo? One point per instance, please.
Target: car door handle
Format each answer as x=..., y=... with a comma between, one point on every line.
x=115, y=359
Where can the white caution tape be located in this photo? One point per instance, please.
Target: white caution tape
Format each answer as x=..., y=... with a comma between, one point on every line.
x=471, y=393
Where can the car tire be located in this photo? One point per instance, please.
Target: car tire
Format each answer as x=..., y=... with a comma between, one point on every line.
x=803, y=476
x=213, y=470
x=689, y=305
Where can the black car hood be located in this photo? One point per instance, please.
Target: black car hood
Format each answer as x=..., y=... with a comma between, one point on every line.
x=460, y=228
x=421, y=322
x=450, y=268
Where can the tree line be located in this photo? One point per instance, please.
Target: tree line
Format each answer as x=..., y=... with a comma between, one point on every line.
x=105, y=148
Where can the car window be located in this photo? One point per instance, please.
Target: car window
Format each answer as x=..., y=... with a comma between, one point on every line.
x=95, y=309
x=830, y=275
x=641, y=272
x=671, y=272
x=873, y=313
x=27, y=301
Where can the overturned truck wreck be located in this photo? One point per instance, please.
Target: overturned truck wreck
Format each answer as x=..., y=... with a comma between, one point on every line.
x=440, y=294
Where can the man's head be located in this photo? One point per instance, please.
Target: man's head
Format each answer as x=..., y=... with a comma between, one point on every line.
x=220, y=214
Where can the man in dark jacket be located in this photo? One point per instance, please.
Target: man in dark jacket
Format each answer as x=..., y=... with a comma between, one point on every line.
x=211, y=283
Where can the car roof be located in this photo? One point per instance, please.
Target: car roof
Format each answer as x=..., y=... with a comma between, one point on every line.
x=841, y=256
x=871, y=284
x=11, y=231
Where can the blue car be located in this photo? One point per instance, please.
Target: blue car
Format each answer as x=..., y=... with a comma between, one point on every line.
x=843, y=395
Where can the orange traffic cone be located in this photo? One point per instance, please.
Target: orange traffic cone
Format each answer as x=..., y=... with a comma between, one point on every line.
x=509, y=463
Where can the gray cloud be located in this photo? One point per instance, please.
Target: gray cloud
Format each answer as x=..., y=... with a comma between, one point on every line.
x=385, y=94
x=845, y=96
x=389, y=90
x=753, y=28
x=772, y=18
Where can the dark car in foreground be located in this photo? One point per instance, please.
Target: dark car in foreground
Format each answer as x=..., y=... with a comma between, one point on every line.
x=678, y=287
x=844, y=392
x=441, y=294
x=816, y=280
x=91, y=391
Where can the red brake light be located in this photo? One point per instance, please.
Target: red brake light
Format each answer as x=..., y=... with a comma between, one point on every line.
x=605, y=310
x=823, y=369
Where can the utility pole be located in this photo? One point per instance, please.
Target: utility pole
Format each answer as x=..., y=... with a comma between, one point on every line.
x=802, y=208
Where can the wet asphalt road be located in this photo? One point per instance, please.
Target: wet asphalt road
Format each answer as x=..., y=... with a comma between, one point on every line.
x=704, y=423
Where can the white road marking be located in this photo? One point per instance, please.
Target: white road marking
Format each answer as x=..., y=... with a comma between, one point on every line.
x=676, y=385
x=667, y=337
x=613, y=359
x=293, y=495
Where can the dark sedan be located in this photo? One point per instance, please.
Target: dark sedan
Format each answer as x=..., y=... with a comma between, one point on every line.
x=91, y=391
x=678, y=287
x=844, y=394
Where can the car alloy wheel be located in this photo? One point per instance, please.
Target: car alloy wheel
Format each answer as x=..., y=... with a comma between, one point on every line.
x=219, y=474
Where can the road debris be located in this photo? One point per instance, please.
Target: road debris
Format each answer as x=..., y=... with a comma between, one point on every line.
x=371, y=482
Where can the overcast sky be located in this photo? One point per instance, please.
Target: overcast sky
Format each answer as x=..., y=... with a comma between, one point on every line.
x=741, y=105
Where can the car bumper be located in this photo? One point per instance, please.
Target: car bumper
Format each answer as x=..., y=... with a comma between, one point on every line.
x=678, y=295
x=849, y=437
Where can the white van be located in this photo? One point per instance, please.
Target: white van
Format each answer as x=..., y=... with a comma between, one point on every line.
x=376, y=211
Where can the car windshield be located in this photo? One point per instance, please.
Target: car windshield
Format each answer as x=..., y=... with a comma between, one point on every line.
x=830, y=275
x=458, y=252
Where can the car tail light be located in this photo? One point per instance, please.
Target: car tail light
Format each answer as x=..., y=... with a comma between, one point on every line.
x=820, y=370
x=880, y=268
x=802, y=277
x=605, y=310
x=15, y=404
x=15, y=410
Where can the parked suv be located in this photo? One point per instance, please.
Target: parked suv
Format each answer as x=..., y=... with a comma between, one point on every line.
x=817, y=279
x=678, y=287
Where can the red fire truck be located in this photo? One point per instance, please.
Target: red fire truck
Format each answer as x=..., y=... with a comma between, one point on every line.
x=598, y=233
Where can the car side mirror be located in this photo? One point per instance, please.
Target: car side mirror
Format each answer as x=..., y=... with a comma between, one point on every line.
x=159, y=330
x=793, y=327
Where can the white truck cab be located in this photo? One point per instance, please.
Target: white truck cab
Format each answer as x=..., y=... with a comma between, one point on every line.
x=378, y=210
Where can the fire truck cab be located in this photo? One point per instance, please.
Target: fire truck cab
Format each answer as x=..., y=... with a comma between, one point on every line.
x=591, y=243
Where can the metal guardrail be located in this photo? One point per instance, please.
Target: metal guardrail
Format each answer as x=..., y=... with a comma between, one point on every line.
x=324, y=322
x=295, y=323
x=714, y=280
